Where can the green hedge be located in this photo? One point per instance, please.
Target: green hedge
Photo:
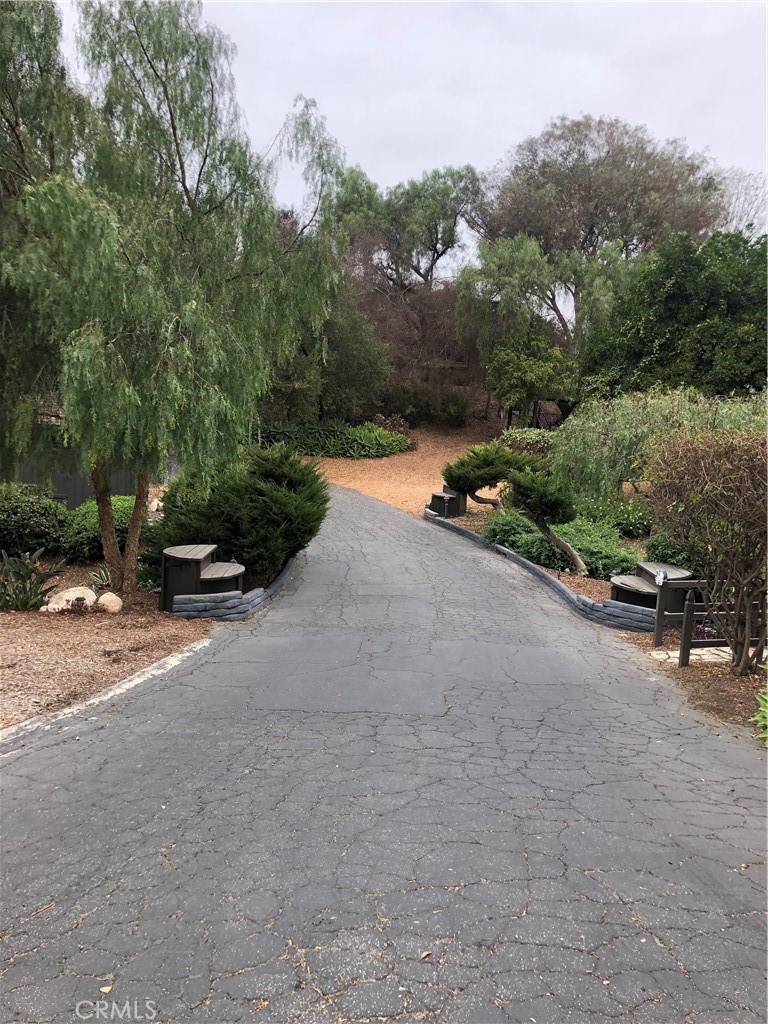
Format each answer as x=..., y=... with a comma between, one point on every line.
x=336, y=439
x=30, y=520
x=598, y=544
x=260, y=511
x=528, y=439
x=82, y=538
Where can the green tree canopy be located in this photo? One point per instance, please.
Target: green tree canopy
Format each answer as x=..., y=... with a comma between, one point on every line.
x=584, y=182
x=689, y=314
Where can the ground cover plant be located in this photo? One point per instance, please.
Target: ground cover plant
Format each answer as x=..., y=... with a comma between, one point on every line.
x=336, y=439
x=599, y=546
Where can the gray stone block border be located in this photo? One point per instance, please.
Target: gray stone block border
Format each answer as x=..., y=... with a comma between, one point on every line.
x=615, y=614
x=233, y=606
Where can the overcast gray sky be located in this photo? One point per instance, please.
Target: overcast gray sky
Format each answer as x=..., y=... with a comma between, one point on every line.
x=407, y=87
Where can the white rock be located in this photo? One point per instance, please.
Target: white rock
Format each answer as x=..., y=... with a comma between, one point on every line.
x=66, y=598
x=109, y=602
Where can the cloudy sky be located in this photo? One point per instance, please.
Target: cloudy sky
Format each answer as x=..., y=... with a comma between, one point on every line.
x=406, y=87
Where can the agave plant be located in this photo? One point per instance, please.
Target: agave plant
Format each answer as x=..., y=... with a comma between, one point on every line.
x=100, y=577
x=24, y=583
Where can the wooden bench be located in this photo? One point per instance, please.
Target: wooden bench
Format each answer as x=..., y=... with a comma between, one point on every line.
x=634, y=590
x=193, y=569
x=670, y=603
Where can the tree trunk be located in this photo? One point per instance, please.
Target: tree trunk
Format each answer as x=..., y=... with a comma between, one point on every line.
x=109, y=544
x=563, y=545
x=131, y=556
x=484, y=501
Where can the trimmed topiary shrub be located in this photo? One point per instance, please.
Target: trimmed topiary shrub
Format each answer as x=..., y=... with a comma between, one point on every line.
x=336, y=440
x=260, y=511
x=598, y=545
x=485, y=465
x=82, y=539
x=30, y=520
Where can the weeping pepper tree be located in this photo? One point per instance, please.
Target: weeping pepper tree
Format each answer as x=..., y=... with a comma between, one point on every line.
x=160, y=265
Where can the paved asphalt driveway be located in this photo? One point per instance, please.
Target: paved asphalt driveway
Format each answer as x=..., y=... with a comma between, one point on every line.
x=416, y=788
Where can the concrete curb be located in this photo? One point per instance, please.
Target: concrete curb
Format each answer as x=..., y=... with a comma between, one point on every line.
x=614, y=614
x=232, y=606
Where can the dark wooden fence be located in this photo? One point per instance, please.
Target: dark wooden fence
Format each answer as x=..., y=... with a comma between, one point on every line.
x=73, y=488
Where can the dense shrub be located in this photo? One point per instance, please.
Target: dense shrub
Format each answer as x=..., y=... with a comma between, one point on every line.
x=82, y=538
x=422, y=403
x=260, y=511
x=760, y=718
x=509, y=528
x=336, y=439
x=30, y=520
x=603, y=443
x=709, y=493
x=528, y=439
x=630, y=516
x=599, y=545
x=660, y=547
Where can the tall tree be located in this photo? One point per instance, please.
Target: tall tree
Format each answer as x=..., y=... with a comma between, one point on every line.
x=744, y=202
x=43, y=125
x=588, y=181
x=161, y=269
x=401, y=241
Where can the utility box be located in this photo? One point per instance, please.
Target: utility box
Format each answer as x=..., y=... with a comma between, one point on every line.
x=448, y=504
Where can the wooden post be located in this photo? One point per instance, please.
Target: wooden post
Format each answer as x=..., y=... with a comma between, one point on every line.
x=658, y=622
x=686, y=636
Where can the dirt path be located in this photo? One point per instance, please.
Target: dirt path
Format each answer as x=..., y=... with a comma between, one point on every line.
x=407, y=481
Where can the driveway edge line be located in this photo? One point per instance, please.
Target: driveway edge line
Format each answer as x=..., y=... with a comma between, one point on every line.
x=157, y=668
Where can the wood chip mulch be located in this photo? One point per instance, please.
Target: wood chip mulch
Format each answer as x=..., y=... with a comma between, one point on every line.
x=48, y=662
x=709, y=687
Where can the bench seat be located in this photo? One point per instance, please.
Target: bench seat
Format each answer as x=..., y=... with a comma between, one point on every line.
x=221, y=571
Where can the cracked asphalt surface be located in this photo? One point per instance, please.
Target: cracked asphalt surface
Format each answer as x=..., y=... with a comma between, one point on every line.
x=415, y=750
